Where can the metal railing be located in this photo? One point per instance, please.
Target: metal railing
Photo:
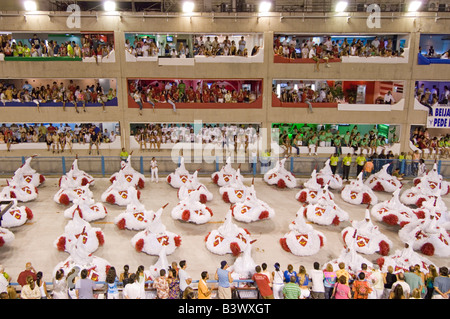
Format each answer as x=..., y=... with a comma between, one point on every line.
x=104, y=166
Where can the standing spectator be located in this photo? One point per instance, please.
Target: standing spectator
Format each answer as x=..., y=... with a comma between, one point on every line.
x=154, y=170
x=289, y=273
x=413, y=280
x=161, y=285
x=60, y=288
x=401, y=281
x=441, y=284
x=185, y=278
x=263, y=283
x=341, y=289
x=125, y=275
x=377, y=282
x=360, y=287
x=429, y=281
x=30, y=290
x=84, y=286
x=94, y=140
x=277, y=282
x=133, y=289
x=346, y=162
x=389, y=278
x=42, y=286
x=29, y=271
x=204, y=292
x=317, y=278
x=264, y=271
x=112, y=282
x=329, y=280
x=360, y=162
x=334, y=159
x=397, y=293
x=223, y=276
x=291, y=290
x=174, y=284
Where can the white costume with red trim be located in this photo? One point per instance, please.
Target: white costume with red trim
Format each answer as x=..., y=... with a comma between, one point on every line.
x=68, y=194
x=325, y=211
x=382, y=181
x=6, y=236
x=129, y=174
x=235, y=191
x=326, y=177
x=192, y=210
x=434, y=179
x=244, y=266
x=179, y=177
x=135, y=217
x=78, y=228
x=87, y=208
x=279, y=176
x=120, y=192
x=80, y=177
x=26, y=174
x=311, y=191
x=225, y=175
x=393, y=211
x=228, y=238
x=15, y=215
x=23, y=192
x=358, y=193
x=252, y=208
x=202, y=193
x=367, y=237
x=155, y=236
x=302, y=239
x=351, y=258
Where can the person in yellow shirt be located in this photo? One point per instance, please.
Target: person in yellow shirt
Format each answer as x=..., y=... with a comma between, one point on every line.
x=204, y=292
x=360, y=161
x=334, y=159
x=346, y=162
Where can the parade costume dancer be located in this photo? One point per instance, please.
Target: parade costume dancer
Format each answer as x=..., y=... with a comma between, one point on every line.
x=311, y=191
x=193, y=184
x=191, y=209
x=225, y=175
x=393, y=211
x=251, y=209
x=326, y=177
x=135, y=217
x=382, y=181
x=129, y=174
x=358, y=193
x=12, y=214
x=234, y=191
x=402, y=259
x=279, y=176
x=179, y=177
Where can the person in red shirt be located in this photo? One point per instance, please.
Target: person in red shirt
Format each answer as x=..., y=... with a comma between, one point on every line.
x=29, y=271
x=263, y=283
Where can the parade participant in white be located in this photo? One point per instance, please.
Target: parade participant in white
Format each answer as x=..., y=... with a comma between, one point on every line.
x=382, y=181
x=358, y=193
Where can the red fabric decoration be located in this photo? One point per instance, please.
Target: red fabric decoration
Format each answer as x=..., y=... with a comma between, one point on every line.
x=402, y=224
x=209, y=210
x=427, y=249
x=59, y=182
x=206, y=237
x=264, y=215
x=384, y=248
x=420, y=214
x=112, y=179
x=41, y=178
x=390, y=219
x=169, y=178
x=177, y=240
x=416, y=181
x=380, y=262
x=284, y=245
x=61, y=245
x=321, y=241
x=2, y=241
x=344, y=235
x=378, y=187
x=246, y=230
x=139, y=244
x=101, y=239
x=12, y=194
x=281, y=183
x=336, y=221
x=419, y=202
x=121, y=223
x=185, y=215
x=64, y=199
x=138, y=194
x=84, y=181
x=215, y=179
x=111, y=199
x=235, y=249
x=320, y=181
x=225, y=197
x=203, y=198
x=366, y=198
x=29, y=213
x=302, y=197
x=141, y=183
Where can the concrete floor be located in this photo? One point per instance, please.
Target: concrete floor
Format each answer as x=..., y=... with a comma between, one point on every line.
x=34, y=240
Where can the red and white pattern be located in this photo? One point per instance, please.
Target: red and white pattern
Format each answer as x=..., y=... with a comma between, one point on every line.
x=279, y=176
x=358, y=193
x=382, y=181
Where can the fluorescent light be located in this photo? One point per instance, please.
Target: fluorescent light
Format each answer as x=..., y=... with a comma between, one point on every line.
x=341, y=6
x=265, y=6
x=188, y=7
x=30, y=5
x=414, y=6
x=109, y=6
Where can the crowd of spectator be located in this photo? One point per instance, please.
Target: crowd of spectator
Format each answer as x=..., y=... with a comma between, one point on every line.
x=295, y=48
x=308, y=136
x=56, y=93
x=176, y=282
x=91, y=46
x=58, y=138
x=436, y=145
x=431, y=53
x=152, y=136
x=179, y=92
x=146, y=47
x=431, y=95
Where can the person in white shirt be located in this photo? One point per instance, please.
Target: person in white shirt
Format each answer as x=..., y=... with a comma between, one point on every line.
x=388, y=98
x=318, y=288
x=154, y=169
x=185, y=278
x=278, y=282
x=133, y=289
